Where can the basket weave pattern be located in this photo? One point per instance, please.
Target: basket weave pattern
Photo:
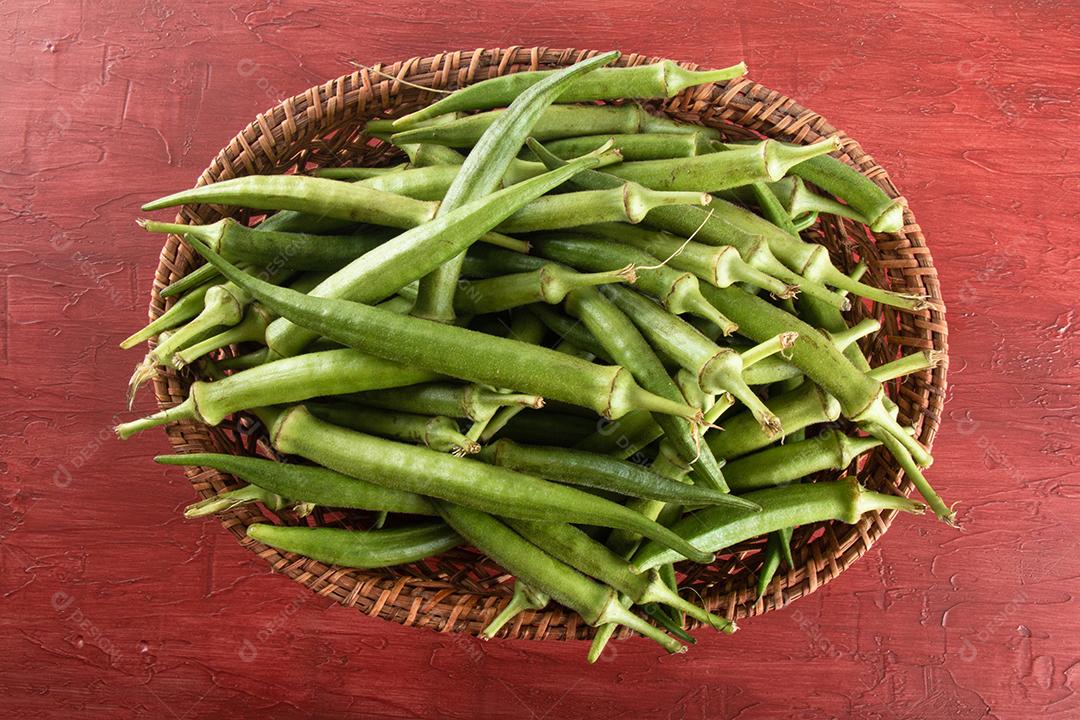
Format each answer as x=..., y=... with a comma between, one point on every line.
x=461, y=591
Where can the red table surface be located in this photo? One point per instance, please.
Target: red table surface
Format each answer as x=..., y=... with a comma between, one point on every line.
x=112, y=605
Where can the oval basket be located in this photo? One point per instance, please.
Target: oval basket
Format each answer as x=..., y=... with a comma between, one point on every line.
x=461, y=590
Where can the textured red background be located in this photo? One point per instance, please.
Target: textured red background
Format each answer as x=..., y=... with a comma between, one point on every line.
x=111, y=605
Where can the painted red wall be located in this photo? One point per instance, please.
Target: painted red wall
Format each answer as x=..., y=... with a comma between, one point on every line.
x=111, y=605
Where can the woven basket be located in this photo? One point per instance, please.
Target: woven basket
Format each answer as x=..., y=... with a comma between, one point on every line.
x=461, y=590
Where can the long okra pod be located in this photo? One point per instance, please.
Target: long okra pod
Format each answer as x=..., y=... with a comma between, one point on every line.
x=437, y=432
x=629, y=203
x=575, y=548
x=484, y=168
x=331, y=372
x=307, y=483
x=765, y=161
x=787, y=506
x=457, y=352
x=553, y=123
x=458, y=480
x=632, y=147
x=596, y=603
x=662, y=79
x=359, y=548
x=602, y=472
x=550, y=284
x=448, y=399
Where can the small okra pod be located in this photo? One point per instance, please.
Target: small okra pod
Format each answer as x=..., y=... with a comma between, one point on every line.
x=629, y=203
x=799, y=201
x=765, y=161
x=459, y=400
x=578, y=550
x=787, y=506
x=436, y=432
x=457, y=352
x=555, y=122
x=331, y=372
x=459, y=480
x=359, y=548
x=550, y=284
x=595, y=603
x=525, y=597
x=788, y=462
x=603, y=472
x=307, y=483
x=664, y=79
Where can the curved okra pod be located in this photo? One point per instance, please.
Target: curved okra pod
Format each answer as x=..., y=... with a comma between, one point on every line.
x=359, y=548
x=679, y=292
x=550, y=284
x=664, y=79
x=765, y=161
x=307, y=483
x=885, y=214
x=623, y=342
x=553, y=123
x=786, y=463
x=595, y=603
x=603, y=472
x=717, y=369
x=799, y=201
x=331, y=372
x=486, y=165
x=772, y=554
x=184, y=309
x=412, y=254
x=447, y=399
x=457, y=352
x=635, y=146
x=525, y=597
x=459, y=480
x=787, y=506
x=719, y=265
x=578, y=550
x=704, y=226
x=437, y=432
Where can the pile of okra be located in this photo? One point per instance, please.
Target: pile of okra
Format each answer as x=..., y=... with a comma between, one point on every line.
x=583, y=338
